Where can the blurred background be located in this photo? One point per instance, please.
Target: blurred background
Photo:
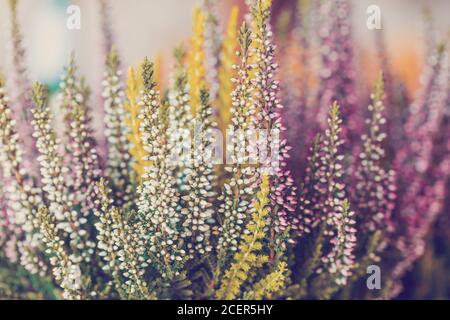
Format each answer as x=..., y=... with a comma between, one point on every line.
x=153, y=27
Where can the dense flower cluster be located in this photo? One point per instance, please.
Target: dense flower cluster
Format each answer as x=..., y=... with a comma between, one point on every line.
x=157, y=203
x=251, y=176
x=118, y=158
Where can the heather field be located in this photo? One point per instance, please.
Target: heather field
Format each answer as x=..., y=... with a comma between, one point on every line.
x=272, y=150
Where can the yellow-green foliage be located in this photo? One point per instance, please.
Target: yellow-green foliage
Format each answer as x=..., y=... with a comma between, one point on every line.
x=226, y=72
x=196, y=60
x=249, y=255
x=271, y=284
x=134, y=86
x=159, y=74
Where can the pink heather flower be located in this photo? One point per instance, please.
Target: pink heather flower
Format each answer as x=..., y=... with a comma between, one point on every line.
x=374, y=185
x=58, y=192
x=283, y=196
x=20, y=89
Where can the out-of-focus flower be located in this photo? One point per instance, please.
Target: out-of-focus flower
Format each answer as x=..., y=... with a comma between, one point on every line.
x=157, y=202
x=21, y=94
x=117, y=164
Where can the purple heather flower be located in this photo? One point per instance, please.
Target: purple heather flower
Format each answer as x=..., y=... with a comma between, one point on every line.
x=374, y=184
x=421, y=177
x=337, y=75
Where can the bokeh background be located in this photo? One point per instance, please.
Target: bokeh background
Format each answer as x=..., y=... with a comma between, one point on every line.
x=153, y=27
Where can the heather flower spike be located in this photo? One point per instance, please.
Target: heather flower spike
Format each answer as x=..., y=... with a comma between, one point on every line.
x=200, y=182
x=81, y=151
x=341, y=259
x=21, y=196
x=236, y=207
x=180, y=119
x=375, y=186
x=309, y=194
x=226, y=70
x=21, y=93
x=65, y=270
x=283, y=195
x=418, y=201
x=249, y=256
x=157, y=204
x=118, y=166
x=196, y=60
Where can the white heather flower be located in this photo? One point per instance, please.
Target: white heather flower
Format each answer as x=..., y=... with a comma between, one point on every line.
x=118, y=164
x=21, y=195
x=340, y=261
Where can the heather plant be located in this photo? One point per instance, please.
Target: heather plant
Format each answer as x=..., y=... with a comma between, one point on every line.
x=251, y=176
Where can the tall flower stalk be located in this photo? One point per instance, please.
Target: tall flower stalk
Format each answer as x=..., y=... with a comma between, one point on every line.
x=180, y=119
x=157, y=202
x=21, y=88
x=236, y=206
x=133, y=121
x=20, y=195
x=58, y=193
x=197, y=70
x=81, y=152
x=212, y=45
x=283, y=194
x=200, y=183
